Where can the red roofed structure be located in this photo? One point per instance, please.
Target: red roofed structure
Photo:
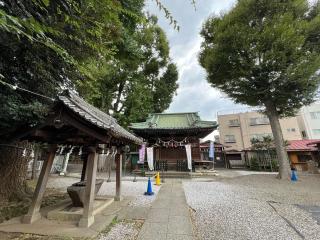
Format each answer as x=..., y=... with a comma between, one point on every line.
x=302, y=145
x=301, y=151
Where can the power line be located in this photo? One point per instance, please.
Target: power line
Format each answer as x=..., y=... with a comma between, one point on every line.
x=15, y=87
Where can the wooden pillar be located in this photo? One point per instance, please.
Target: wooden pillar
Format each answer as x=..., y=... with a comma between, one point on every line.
x=118, y=159
x=84, y=168
x=34, y=210
x=87, y=217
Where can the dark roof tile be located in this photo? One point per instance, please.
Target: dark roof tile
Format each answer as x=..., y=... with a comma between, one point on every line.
x=96, y=116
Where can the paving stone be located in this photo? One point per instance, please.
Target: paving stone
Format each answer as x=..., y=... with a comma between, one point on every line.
x=162, y=204
x=179, y=237
x=178, y=201
x=152, y=237
x=153, y=229
x=110, y=210
x=137, y=212
x=179, y=211
x=163, y=196
x=180, y=225
x=158, y=215
x=178, y=194
x=168, y=217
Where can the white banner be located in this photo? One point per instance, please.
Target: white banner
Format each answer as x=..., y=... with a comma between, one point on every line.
x=189, y=158
x=211, y=151
x=142, y=151
x=150, y=157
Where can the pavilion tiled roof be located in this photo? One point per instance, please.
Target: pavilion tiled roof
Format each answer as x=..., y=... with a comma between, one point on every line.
x=96, y=116
x=168, y=121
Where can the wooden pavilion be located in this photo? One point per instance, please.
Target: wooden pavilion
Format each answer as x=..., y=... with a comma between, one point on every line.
x=72, y=121
x=168, y=133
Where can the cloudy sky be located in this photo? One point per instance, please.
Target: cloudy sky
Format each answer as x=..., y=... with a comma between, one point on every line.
x=194, y=93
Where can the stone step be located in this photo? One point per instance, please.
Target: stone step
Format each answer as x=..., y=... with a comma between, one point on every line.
x=173, y=174
x=170, y=174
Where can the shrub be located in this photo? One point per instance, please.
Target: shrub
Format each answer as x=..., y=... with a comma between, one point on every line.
x=275, y=165
x=254, y=164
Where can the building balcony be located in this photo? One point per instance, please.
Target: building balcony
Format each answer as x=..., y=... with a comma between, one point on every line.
x=234, y=125
x=259, y=121
x=258, y=124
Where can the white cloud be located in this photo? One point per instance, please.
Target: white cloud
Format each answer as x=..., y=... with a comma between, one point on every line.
x=194, y=92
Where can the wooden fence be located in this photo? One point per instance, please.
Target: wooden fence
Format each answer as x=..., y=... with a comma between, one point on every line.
x=262, y=160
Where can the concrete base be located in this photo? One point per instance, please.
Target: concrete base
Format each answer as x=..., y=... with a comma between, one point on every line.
x=68, y=229
x=86, y=222
x=28, y=219
x=67, y=212
x=118, y=198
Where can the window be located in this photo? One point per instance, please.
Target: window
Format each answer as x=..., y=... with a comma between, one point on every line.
x=315, y=115
x=304, y=134
x=230, y=139
x=259, y=121
x=291, y=129
x=316, y=131
x=234, y=123
x=304, y=158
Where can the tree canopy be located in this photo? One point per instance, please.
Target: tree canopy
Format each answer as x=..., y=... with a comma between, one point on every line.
x=109, y=51
x=265, y=53
x=264, y=50
x=140, y=78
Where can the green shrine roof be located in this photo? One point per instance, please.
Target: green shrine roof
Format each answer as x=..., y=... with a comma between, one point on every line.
x=190, y=120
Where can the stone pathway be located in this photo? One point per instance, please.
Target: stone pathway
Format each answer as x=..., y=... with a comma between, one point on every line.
x=168, y=217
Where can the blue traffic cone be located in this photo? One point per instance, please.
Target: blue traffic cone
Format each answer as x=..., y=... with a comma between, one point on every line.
x=149, y=190
x=294, y=177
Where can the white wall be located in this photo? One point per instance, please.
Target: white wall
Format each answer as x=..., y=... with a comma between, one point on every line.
x=309, y=121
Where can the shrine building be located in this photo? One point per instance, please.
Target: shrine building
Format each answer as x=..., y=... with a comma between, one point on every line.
x=169, y=134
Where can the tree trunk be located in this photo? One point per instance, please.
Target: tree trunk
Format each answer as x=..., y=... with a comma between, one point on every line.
x=116, y=104
x=13, y=170
x=284, y=167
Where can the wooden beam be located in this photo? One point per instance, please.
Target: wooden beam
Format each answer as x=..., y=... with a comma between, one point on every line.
x=118, y=159
x=84, y=169
x=104, y=138
x=34, y=210
x=42, y=134
x=21, y=133
x=88, y=217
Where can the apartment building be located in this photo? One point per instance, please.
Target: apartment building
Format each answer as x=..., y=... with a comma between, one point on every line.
x=237, y=129
x=309, y=121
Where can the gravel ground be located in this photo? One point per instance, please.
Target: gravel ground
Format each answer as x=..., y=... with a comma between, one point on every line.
x=134, y=190
x=254, y=207
x=61, y=183
x=122, y=231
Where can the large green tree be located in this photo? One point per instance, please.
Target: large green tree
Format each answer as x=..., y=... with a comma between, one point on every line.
x=265, y=53
x=139, y=79
x=44, y=46
x=109, y=51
